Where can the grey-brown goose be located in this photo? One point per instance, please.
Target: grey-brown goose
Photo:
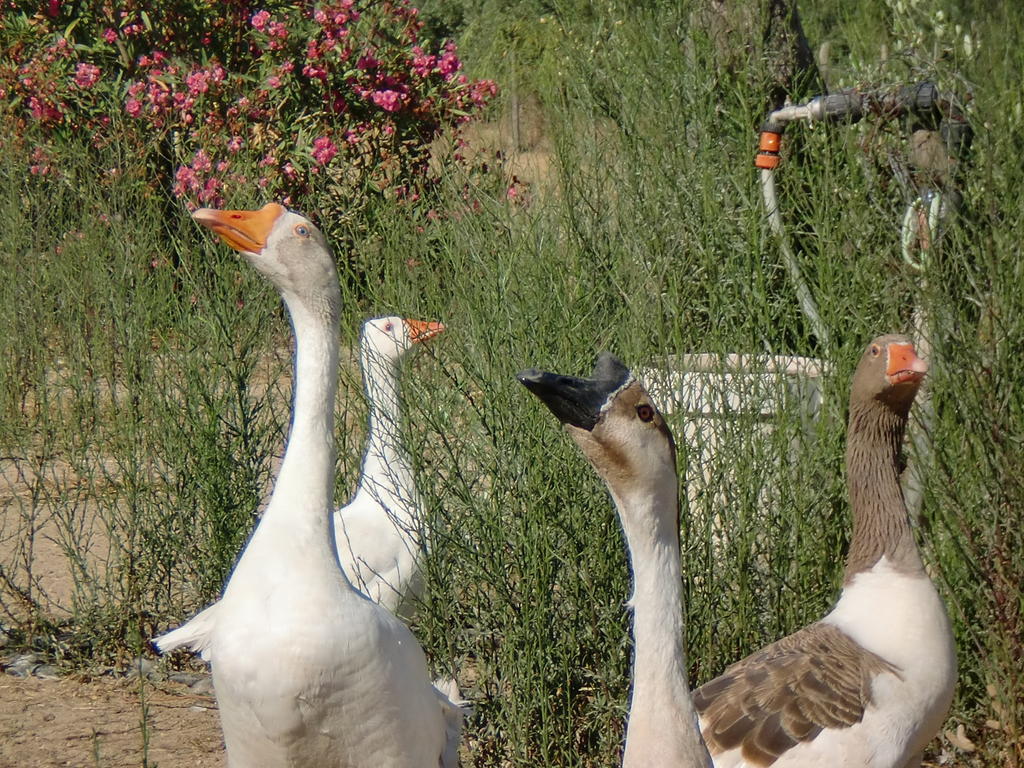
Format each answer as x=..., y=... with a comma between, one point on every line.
x=871, y=683
x=615, y=423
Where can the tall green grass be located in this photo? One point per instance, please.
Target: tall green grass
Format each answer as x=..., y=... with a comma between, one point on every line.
x=146, y=380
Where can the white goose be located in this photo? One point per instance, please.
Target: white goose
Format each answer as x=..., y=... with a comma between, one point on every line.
x=306, y=670
x=377, y=533
x=614, y=422
x=869, y=685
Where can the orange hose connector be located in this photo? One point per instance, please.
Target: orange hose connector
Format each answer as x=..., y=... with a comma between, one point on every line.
x=768, y=150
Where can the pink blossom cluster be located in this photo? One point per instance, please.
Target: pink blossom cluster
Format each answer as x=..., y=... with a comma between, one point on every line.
x=199, y=79
x=196, y=180
x=276, y=31
x=86, y=75
x=449, y=62
x=158, y=99
x=260, y=20
x=41, y=160
x=239, y=97
x=38, y=81
x=324, y=150
x=334, y=19
x=387, y=99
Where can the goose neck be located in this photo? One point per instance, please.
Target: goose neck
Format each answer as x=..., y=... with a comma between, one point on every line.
x=662, y=727
x=304, y=489
x=380, y=382
x=383, y=446
x=881, y=525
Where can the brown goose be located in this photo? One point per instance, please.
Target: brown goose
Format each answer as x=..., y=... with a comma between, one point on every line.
x=870, y=684
x=614, y=422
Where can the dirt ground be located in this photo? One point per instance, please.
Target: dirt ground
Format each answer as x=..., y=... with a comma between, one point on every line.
x=97, y=724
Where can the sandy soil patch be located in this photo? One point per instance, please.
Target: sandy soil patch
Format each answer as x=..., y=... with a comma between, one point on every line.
x=97, y=723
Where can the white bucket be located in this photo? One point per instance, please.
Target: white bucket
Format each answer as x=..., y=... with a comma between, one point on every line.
x=730, y=405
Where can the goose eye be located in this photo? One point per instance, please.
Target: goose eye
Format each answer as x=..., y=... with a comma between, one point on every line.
x=302, y=230
x=645, y=412
x=388, y=327
x=875, y=350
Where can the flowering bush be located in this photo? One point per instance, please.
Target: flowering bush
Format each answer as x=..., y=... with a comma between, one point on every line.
x=335, y=99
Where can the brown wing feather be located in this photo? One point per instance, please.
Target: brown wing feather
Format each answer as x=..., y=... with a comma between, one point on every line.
x=787, y=692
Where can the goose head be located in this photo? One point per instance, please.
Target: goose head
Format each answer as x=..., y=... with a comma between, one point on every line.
x=388, y=339
x=613, y=420
x=283, y=245
x=890, y=373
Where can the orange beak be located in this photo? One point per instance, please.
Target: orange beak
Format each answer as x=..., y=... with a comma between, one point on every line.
x=904, y=365
x=421, y=330
x=245, y=231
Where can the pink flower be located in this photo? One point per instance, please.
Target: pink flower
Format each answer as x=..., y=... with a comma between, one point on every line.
x=201, y=162
x=133, y=107
x=260, y=19
x=198, y=81
x=367, y=62
x=448, y=64
x=44, y=111
x=183, y=102
x=86, y=75
x=185, y=181
x=109, y=35
x=235, y=144
x=482, y=91
x=158, y=94
x=388, y=100
x=422, y=63
x=209, y=191
x=324, y=150
x=277, y=29
x=268, y=160
x=273, y=81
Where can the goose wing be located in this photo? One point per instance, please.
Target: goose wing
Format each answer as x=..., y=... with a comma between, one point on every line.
x=454, y=709
x=787, y=693
x=196, y=634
